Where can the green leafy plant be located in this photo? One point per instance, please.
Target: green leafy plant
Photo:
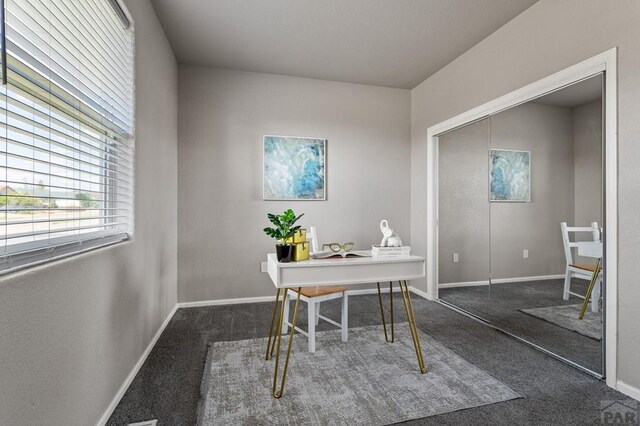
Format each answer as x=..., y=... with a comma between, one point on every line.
x=284, y=225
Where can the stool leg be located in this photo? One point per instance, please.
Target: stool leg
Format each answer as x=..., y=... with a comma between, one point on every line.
x=318, y=314
x=312, y=325
x=345, y=317
x=567, y=284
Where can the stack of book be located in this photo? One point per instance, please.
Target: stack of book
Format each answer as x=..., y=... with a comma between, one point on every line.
x=386, y=252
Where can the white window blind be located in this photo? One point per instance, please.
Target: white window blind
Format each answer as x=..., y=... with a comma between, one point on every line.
x=66, y=117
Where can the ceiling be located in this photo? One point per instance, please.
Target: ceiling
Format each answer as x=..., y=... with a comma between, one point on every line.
x=393, y=43
x=578, y=94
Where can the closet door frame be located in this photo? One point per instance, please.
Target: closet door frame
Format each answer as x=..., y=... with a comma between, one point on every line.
x=604, y=62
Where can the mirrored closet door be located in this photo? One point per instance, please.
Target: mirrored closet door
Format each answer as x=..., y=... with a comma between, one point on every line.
x=464, y=261
x=518, y=193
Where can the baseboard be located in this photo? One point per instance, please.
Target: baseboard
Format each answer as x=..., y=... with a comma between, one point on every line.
x=524, y=279
x=134, y=371
x=236, y=301
x=628, y=390
x=502, y=281
x=420, y=293
x=463, y=284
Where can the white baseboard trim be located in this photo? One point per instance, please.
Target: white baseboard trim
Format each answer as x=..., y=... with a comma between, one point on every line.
x=524, y=279
x=628, y=390
x=463, y=284
x=235, y=301
x=419, y=292
x=502, y=281
x=134, y=371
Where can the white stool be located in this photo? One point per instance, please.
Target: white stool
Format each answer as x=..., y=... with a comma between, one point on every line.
x=313, y=296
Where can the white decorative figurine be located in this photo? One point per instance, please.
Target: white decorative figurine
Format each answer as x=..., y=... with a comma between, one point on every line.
x=389, y=237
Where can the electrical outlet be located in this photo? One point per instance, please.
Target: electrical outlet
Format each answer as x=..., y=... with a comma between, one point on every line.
x=525, y=254
x=263, y=266
x=456, y=258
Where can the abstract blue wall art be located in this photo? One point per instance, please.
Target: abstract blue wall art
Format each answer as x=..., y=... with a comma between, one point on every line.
x=510, y=179
x=294, y=168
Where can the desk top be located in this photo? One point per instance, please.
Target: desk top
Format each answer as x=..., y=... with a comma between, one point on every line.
x=340, y=261
x=344, y=271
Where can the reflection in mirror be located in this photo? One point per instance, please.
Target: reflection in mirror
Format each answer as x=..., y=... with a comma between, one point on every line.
x=463, y=219
x=540, y=167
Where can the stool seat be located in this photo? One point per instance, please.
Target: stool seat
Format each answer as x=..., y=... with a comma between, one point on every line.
x=321, y=291
x=591, y=268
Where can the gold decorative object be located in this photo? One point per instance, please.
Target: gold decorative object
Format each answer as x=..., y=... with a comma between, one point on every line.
x=299, y=237
x=300, y=251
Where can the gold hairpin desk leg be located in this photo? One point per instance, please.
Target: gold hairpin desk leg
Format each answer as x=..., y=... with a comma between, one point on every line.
x=408, y=307
x=384, y=322
x=270, y=346
x=278, y=393
x=592, y=284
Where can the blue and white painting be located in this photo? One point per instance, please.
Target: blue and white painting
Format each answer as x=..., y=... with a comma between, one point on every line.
x=294, y=168
x=510, y=176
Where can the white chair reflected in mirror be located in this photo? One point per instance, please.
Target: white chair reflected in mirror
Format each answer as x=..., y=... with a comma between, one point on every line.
x=580, y=270
x=313, y=296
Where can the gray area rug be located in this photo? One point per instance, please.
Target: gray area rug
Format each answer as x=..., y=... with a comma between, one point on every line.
x=566, y=316
x=364, y=381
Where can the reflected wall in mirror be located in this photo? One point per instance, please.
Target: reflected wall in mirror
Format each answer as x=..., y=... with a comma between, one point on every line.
x=511, y=264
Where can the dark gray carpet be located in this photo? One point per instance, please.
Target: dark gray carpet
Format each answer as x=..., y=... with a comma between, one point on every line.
x=168, y=384
x=364, y=381
x=568, y=316
x=500, y=304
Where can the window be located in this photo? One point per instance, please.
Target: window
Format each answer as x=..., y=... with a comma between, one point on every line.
x=66, y=117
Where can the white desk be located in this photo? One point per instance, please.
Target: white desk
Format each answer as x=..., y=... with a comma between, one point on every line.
x=344, y=272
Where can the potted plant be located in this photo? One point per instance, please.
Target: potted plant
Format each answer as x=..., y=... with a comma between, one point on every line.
x=283, y=230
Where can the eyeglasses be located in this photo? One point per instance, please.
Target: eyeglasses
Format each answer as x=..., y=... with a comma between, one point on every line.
x=337, y=247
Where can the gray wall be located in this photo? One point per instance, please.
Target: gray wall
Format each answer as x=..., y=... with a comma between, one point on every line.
x=587, y=151
x=516, y=55
x=546, y=131
x=496, y=234
x=222, y=117
x=72, y=330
